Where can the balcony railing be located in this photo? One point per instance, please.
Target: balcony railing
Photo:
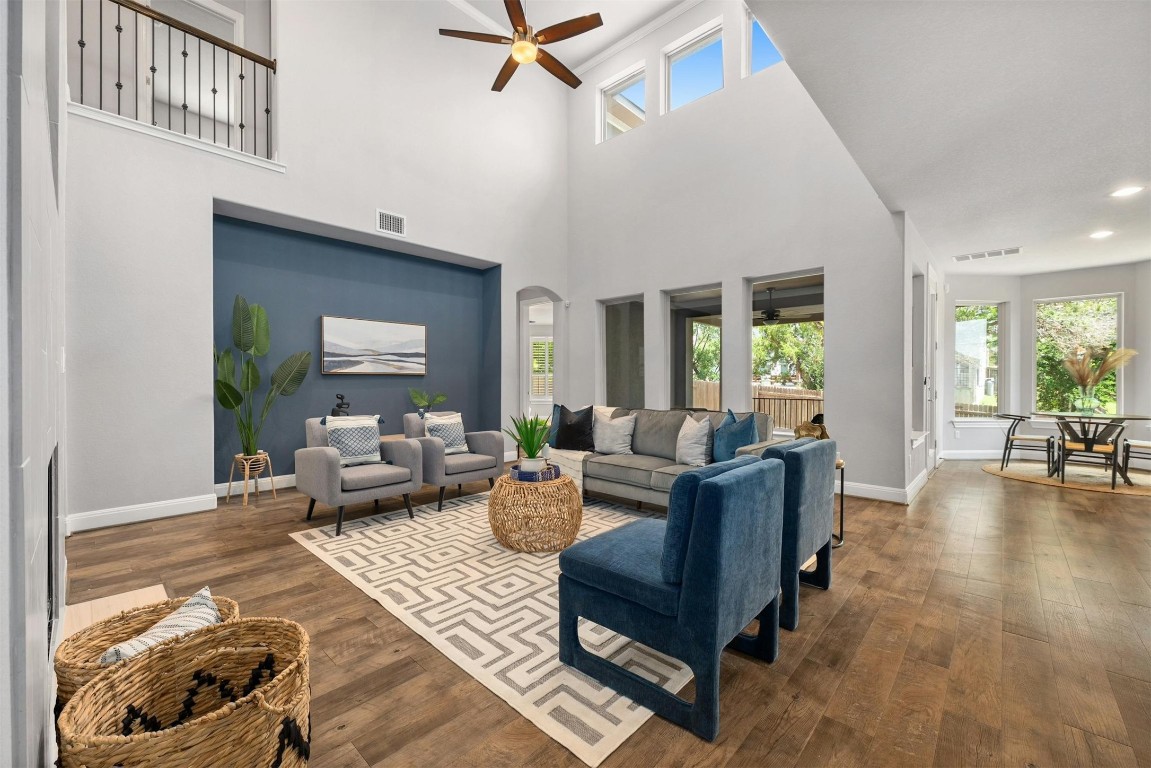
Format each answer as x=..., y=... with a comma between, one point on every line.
x=133, y=61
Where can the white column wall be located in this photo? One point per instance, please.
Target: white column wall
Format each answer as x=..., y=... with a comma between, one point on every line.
x=746, y=182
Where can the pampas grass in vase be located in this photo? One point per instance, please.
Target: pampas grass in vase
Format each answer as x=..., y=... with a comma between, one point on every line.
x=1087, y=375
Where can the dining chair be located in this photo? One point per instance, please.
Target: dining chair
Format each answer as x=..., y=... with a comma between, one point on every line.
x=1099, y=440
x=1140, y=449
x=1018, y=442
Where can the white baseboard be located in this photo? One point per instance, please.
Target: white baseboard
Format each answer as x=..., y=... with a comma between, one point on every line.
x=877, y=492
x=510, y=456
x=135, y=513
x=916, y=485
x=972, y=455
x=282, y=482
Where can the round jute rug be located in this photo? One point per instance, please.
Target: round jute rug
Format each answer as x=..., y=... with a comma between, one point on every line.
x=1079, y=477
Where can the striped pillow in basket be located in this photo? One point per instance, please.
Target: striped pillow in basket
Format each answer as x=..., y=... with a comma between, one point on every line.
x=196, y=613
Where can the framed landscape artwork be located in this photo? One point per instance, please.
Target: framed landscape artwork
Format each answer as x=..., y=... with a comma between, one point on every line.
x=355, y=346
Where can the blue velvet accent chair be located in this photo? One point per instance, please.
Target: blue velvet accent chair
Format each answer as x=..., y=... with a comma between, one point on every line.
x=808, y=518
x=686, y=587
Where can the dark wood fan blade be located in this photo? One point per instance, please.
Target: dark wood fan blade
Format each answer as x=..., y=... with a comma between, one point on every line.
x=506, y=72
x=569, y=28
x=553, y=65
x=516, y=14
x=480, y=37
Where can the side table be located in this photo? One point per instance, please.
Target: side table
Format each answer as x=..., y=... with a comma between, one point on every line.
x=837, y=541
x=535, y=517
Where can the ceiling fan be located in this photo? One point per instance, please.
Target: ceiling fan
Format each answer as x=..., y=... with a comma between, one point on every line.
x=771, y=315
x=526, y=43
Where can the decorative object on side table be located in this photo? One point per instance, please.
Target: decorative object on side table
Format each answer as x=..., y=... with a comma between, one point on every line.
x=535, y=517
x=531, y=435
x=1087, y=375
x=550, y=472
x=425, y=401
x=252, y=339
x=355, y=346
x=342, y=406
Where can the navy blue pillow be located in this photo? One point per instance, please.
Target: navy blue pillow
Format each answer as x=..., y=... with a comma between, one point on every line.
x=554, y=426
x=733, y=434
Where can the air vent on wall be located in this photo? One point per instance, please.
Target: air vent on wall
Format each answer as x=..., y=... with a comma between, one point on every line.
x=987, y=255
x=391, y=223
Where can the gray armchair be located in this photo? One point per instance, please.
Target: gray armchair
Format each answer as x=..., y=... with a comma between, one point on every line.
x=319, y=474
x=483, y=461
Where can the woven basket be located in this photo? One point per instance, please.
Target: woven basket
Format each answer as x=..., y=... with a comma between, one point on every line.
x=78, y=657
x=535, y=517
x=234, y=694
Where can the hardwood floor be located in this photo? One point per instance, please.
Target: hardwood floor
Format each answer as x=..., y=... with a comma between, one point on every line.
x=991, y=622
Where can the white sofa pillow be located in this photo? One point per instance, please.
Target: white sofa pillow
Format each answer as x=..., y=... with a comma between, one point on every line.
x=693, y=446
x=612, y=436
x=197, y=612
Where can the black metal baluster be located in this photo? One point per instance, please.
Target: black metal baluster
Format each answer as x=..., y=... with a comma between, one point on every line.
x=169, y=78
x=199, y=88
x=100, y=52
x=184, y=101
x=81, y=43
x=268, y=107
x=152, y=69
x=215, y=121
x=241, y=105
x=119, y=78
x=228, y=91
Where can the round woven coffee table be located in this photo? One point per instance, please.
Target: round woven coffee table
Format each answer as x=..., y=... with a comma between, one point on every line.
x=535, y=517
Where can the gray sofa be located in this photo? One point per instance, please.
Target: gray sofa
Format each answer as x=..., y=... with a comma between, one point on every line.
x=646, y=475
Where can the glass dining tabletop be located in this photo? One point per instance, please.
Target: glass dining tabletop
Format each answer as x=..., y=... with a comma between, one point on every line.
x=1076, y=416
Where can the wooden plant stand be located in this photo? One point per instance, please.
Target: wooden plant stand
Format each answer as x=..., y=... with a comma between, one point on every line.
x=252, y=467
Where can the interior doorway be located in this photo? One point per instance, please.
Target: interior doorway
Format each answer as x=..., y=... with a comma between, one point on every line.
x=539, y=349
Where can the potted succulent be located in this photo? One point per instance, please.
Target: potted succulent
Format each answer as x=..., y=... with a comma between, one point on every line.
x=236, y=393
x=531, y=435
x=425, y=401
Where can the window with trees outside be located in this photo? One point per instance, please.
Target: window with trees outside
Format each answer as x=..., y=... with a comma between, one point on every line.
x=787, y=349
x=976, y=360
x=1061, y=327
x=543, y=350
x=697, y=336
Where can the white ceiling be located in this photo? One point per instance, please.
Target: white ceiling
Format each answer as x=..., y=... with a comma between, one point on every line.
x=994, y=124
x=620, y=18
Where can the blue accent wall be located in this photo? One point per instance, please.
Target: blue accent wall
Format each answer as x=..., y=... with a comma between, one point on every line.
x=298, y=278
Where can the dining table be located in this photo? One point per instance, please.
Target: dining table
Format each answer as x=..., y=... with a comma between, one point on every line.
x=1093, y=429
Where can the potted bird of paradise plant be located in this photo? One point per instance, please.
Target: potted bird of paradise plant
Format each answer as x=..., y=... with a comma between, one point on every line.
x=236, y=391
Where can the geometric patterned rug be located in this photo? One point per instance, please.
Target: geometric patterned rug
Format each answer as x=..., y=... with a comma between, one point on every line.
x=494, y=613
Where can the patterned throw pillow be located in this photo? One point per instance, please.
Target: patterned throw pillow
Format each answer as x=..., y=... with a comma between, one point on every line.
x=357, y=438
x=197, y=612
x=450, y=429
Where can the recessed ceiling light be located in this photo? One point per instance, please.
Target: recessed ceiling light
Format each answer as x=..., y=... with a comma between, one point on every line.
x=1126, y=191
x=1102, y=234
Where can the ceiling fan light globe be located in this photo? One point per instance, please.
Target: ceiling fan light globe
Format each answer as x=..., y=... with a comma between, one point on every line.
x=524, y=51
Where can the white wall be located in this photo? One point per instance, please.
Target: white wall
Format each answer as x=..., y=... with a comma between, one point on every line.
x=429, y=140
x=969, y=438
x=33, y=405
x=746, y=182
